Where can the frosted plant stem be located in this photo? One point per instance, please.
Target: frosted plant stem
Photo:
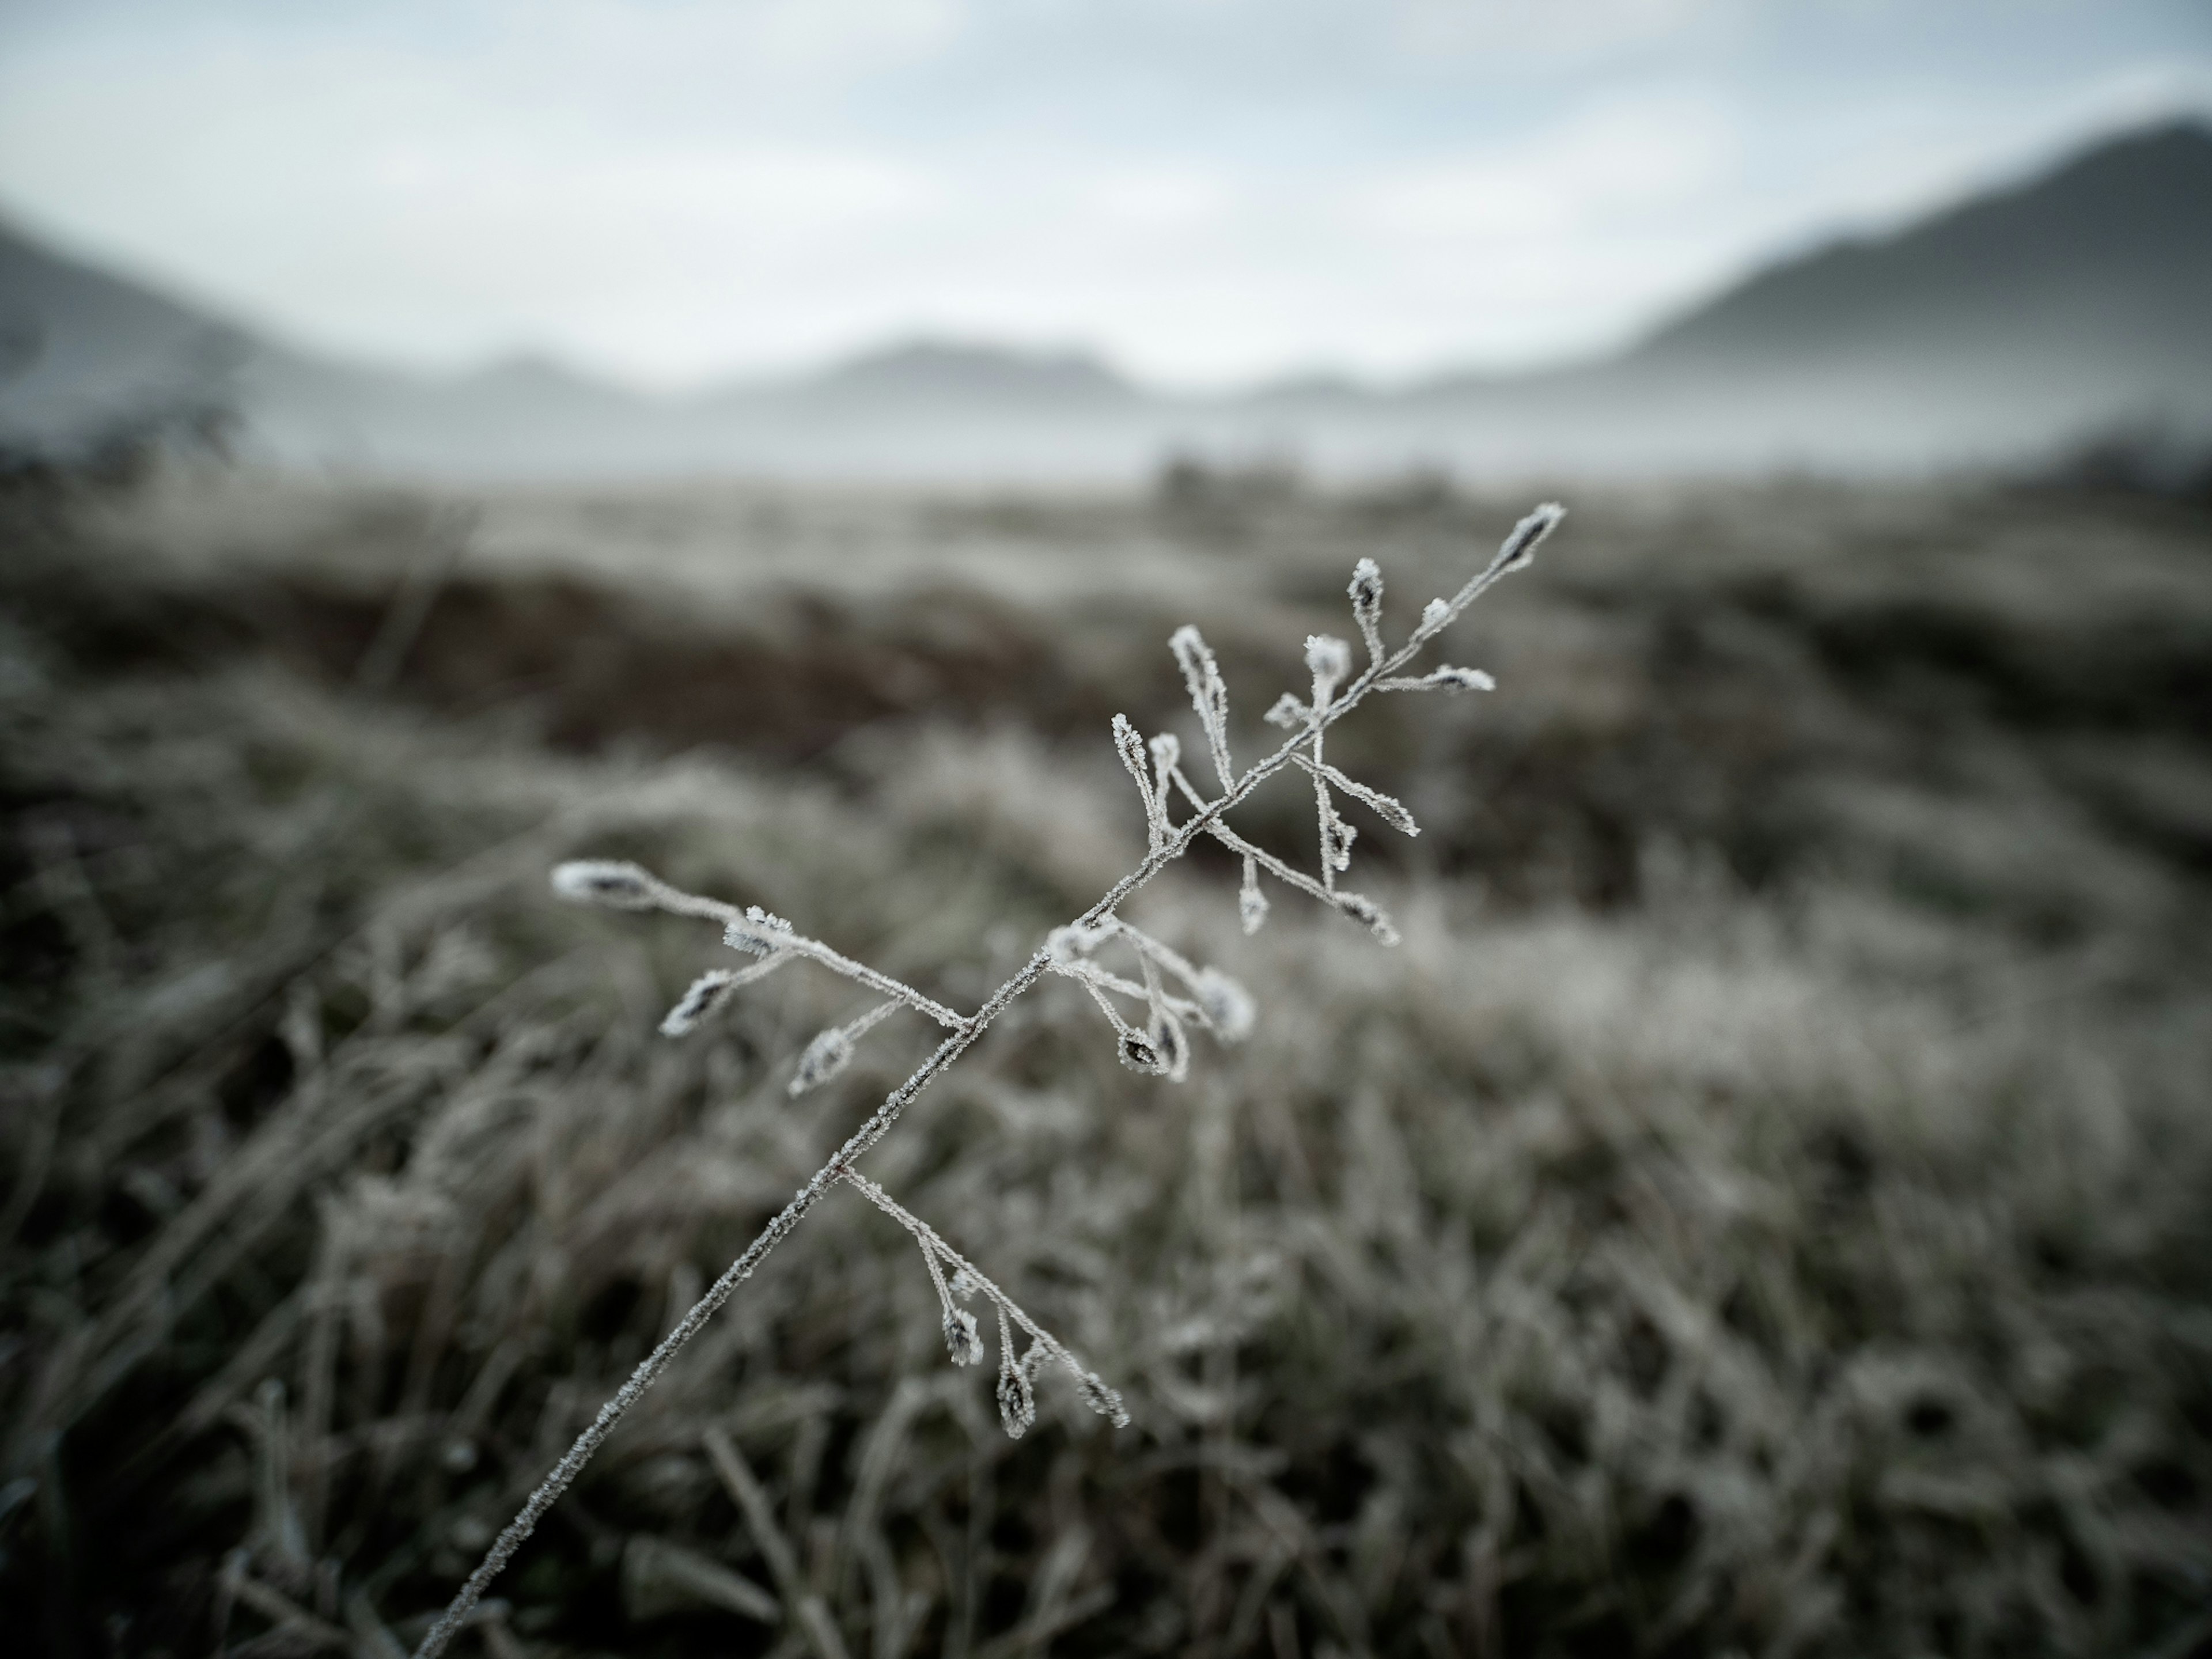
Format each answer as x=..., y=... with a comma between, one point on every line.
x=1166, y=844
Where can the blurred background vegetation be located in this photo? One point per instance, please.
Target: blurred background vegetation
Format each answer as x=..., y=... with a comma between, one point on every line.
x=1760, y=1207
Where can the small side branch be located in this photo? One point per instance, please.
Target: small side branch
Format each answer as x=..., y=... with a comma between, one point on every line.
x=967, y=1277
x=621, y=885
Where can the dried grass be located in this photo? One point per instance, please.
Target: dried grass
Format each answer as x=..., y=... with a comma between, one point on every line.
x=1809, y=1273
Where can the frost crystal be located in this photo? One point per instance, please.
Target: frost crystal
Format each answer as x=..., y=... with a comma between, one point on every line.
x=1288, y=712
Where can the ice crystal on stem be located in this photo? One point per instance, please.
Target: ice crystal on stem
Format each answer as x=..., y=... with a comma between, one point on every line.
x=1174, y=995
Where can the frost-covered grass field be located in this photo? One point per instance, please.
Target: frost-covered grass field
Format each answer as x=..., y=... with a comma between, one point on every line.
x=1764, y=1206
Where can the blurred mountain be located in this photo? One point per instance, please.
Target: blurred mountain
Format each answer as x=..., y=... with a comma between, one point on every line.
x=76, y=342
x=2077, y=304
x=931, y=373
x=2102, y=268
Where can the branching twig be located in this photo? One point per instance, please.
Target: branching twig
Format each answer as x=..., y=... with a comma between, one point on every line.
x=1160, y=1048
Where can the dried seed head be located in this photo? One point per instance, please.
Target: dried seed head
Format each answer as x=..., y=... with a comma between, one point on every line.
x=1288, y=712
x=1520, y=546
x=1138, y=1053
x=1433, y=614
x=1366, y=591
x=759, y=933
x=706, y=993
x=1167, y=750
x=621, y=886
x=1460, y=680
x=829, y=1053
x=1229, y=1008
x=1101, y=1399
x=1017, y=1401
x=961, y=1339
x=963, y=1285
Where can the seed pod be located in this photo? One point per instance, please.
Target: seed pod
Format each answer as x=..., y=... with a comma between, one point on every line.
x=829, y=1053
x=621, y=886
x=1017, y=1401
x=1137, y=1052
x=1366, y=591
x=1519, y=547
x=1101, y=1399
x=962, y=1338
x=706, y=993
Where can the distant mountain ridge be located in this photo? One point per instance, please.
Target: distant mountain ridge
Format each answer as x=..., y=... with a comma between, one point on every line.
x=2018, y=320
x=2111, y=254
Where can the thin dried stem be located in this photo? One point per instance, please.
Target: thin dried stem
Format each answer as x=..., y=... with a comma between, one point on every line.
x=627, y=886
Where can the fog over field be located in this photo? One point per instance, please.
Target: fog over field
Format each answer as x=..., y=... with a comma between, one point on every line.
x=2063, y=310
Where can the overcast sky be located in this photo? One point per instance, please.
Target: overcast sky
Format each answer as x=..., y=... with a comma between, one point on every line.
x=1205, y=191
